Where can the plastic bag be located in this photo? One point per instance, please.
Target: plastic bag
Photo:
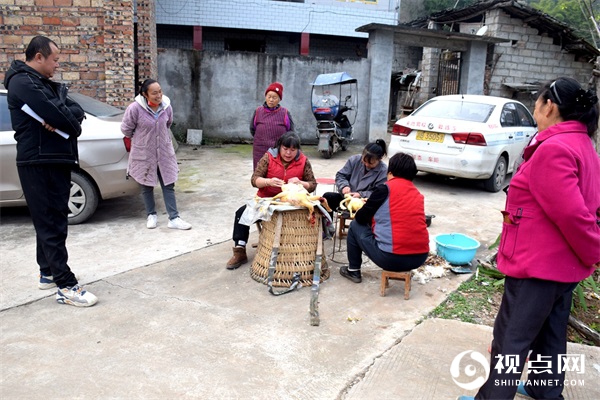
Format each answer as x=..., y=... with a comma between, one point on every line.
x=256, y=209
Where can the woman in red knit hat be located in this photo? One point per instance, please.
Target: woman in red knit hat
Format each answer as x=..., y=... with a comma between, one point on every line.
x=269, y=122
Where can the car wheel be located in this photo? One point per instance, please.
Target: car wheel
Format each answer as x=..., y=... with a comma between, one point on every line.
x=83, y=199
x=496, y=182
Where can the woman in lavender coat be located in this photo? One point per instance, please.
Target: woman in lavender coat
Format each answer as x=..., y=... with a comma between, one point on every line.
x=152, y=159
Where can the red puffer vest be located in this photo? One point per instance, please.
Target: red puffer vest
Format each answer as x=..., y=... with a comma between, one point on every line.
x=278, y=170
x=399, y=223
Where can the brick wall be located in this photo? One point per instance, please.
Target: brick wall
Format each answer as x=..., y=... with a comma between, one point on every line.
x=95, y=38
x=406, y=58
x=146, y=39
x=529, y=57
x=430, y=67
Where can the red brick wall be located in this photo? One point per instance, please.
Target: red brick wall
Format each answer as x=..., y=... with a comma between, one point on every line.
x=146, y=40
x=95, y=38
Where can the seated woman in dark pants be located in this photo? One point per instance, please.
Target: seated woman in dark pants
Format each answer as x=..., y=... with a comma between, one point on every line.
x=361, y=174
x=390, y=228
x=284, y=163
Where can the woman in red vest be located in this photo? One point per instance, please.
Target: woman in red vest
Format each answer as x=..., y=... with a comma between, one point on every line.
x=390, y=228
x=269, y=122
x=284, y=163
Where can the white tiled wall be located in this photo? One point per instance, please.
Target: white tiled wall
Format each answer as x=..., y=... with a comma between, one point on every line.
x=338, y=18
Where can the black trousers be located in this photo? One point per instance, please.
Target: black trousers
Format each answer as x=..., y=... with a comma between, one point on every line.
x=362, y=240
x=533, y=316
x=333, y=201
x=46, y=189
x=240, y=232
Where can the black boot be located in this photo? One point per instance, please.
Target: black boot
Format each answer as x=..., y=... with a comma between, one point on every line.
x=354, y=276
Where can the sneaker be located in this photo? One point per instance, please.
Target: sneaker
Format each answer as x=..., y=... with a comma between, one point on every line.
x=178, y=223
x=151, y=221
x=75, y=296
x=354, y=276
x=46, y=282
x=521, y=390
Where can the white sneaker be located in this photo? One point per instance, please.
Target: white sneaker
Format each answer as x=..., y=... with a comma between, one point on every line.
x=46, y=282
x=178, y=223
x=76, y=296
x=151, y=221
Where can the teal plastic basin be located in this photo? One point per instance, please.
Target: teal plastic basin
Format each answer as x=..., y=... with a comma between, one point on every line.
x=456, y=248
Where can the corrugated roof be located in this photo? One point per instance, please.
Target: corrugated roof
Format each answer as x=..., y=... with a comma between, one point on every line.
x=562, y=34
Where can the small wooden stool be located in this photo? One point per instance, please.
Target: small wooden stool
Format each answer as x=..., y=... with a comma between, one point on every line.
x=343, y=221
x=399, y=276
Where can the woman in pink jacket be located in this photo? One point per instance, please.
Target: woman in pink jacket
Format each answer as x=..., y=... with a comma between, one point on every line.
x=550, y=241
x=152, y=159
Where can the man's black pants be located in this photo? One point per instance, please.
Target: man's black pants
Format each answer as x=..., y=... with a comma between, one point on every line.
x=46, y=188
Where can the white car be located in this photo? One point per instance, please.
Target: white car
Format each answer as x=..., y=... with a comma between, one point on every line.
x=102, y=157
x=466, y=136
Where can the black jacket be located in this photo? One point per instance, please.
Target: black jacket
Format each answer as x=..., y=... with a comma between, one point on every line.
x=35, y=144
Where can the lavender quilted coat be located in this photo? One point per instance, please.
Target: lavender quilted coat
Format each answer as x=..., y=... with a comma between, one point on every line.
x=151, y=146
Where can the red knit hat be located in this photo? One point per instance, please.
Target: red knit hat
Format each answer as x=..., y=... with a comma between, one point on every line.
x=277, y=88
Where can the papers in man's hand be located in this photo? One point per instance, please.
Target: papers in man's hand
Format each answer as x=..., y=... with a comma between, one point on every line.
x=33, y=114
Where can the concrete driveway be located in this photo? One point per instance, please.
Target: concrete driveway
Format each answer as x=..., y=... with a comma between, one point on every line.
x=214, y=182
x=172, y=322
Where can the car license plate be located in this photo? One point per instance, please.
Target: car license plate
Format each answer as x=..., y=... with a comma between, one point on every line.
x=430, y=136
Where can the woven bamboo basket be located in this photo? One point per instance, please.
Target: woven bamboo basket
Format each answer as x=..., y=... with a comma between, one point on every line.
x=297, y=249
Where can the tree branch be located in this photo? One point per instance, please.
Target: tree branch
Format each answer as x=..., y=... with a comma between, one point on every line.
x=584, y=330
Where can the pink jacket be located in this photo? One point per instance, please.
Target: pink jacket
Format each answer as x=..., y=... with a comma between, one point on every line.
x=151, y=145
x=552, y=207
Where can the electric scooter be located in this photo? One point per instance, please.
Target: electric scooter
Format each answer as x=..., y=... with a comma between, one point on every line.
x=334, y=101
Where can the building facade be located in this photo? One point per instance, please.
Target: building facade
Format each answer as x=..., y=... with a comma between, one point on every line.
x=200, y=48
x=316, y=27
x=96, y=38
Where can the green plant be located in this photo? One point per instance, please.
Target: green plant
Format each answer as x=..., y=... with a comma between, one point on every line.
x=584, y=286
x=433, y=6
x=496, y=243
x=472, y=298
x=489, y=269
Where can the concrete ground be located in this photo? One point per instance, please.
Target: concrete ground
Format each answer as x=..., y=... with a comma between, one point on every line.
x=172, y=322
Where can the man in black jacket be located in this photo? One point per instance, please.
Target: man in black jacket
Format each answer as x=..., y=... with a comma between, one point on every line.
x=45, y=159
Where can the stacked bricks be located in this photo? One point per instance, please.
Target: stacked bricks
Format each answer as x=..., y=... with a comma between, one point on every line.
x=146, y=40
x=529, y=57
x=118, y=49
x=95, y=38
